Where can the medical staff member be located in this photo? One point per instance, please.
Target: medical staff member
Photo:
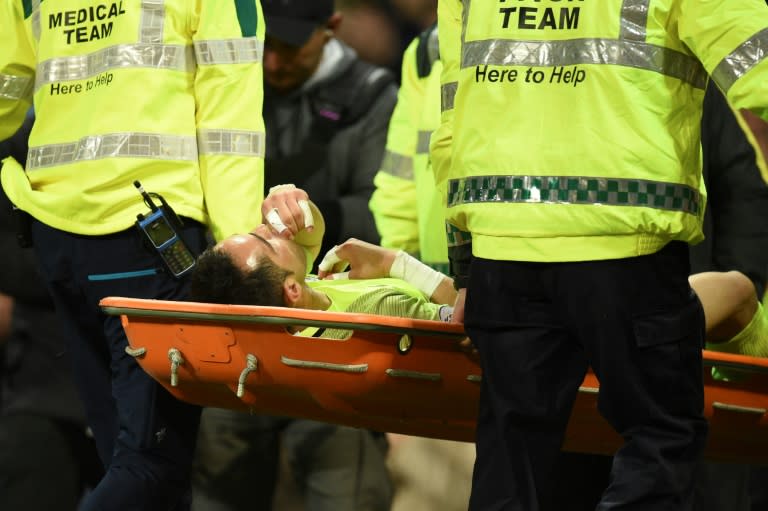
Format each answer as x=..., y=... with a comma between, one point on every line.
x=147, y=91
x=570, y=153
x=406, y=205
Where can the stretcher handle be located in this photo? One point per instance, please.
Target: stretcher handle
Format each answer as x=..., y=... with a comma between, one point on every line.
x=733, y=361
x=281, y=316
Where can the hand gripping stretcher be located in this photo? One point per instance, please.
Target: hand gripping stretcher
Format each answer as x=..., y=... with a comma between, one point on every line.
x=391, y=374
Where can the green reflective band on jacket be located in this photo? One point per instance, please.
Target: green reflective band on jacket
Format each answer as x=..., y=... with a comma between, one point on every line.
x=574, y=190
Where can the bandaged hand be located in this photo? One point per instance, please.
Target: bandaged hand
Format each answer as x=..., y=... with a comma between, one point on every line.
x=365, y=260
x=286, y=210
x=368, y=261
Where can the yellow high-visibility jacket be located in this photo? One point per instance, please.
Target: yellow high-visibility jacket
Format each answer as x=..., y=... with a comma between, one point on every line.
x=168, y=93
x=408, y=210
x=574, y=133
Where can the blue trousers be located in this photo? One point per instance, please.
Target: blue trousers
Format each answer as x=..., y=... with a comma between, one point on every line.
x=144, y=436
x=538, y=326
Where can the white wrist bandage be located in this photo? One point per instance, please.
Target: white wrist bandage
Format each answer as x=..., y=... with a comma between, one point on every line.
x=416, y=273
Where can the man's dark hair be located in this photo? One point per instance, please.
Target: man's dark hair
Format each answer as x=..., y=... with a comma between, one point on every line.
x=217, y=279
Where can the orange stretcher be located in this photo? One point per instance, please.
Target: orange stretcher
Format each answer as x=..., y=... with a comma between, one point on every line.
x=398, y=375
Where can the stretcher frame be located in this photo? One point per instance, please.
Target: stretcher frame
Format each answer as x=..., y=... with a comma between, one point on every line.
x=397, y=375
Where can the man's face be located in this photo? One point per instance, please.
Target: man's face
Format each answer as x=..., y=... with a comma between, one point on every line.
x=247, y=249
x=287, y=67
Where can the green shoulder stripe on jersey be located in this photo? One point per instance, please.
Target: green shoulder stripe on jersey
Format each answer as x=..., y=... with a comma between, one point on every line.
x=246, y=15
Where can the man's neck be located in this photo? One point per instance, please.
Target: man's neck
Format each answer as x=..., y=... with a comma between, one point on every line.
x=314, y=299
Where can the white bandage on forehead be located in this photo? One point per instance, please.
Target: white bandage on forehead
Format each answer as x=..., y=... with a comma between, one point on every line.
x=273, y=217
x=329, y=260
x=309, y=219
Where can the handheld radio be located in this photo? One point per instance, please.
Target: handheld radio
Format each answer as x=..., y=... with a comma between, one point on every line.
x=160, y=230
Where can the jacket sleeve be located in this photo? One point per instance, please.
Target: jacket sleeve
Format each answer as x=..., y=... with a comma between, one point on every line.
x=394, y=201
x=17, y=67
x=737, y=202
x=729, y=37
x=449, y=33
x=229, y=44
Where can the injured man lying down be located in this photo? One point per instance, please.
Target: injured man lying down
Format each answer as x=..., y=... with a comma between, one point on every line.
x=268, y=266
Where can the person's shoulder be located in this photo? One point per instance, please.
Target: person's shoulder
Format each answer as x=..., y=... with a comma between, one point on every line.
x=365, y=74
x=360, y=88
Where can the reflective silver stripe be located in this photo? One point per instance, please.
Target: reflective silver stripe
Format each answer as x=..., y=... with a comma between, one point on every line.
x=422, y=146
x=14, y=87
x=742, y=59
x=447, y=95
x=229, y=51
x=620, y=52
x=634, y=19
x=159, y=56
x=114, y=145
x=433, y=46
x=35, y=19
x=152, y=21
x=574, y=190
x=397, y=165
x=630, y=50
x=236, y=142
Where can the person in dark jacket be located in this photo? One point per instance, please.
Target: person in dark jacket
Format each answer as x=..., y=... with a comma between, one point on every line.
x=736, y=238
x=326, y=114
x=47, y=459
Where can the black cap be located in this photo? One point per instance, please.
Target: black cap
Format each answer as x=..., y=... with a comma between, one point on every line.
x=293, y=21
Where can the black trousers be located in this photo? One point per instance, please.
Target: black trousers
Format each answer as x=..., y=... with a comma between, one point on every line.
x=144, y=436
x=538, y=326
x=45, y=464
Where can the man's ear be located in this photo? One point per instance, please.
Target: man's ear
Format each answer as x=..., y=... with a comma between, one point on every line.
x=332, y=25
x=293, y=291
